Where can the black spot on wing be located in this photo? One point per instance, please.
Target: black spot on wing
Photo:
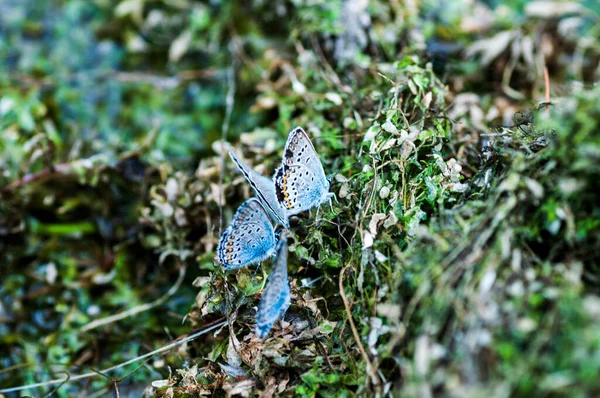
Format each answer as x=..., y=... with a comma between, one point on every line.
x=279, y=173
x=289, y=154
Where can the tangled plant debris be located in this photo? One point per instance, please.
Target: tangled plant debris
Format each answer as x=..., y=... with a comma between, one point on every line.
x=462, y=144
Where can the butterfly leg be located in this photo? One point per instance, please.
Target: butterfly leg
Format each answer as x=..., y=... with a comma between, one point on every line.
x=256, y=270
x=332, y=195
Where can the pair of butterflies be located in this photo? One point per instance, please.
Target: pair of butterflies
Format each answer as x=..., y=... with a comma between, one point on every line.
x=299, y=184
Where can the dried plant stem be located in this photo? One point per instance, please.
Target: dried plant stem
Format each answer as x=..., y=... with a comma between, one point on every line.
x=158, y=80
x=62, y=169
x=229, y=103
x=370, y=369
x=139, y=308
x=547, y=87
x=69, y=378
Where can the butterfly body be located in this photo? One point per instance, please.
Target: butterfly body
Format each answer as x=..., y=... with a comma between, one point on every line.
x=264, y=189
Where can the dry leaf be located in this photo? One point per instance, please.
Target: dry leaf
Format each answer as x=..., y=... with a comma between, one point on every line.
x=375, y=222
x=552, y=9
x=491, y=48
x=180, y=46
x=389, y=127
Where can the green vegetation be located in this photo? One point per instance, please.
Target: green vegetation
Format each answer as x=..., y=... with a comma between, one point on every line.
x=461, y=257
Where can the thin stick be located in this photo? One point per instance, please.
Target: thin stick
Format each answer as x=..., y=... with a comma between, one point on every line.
x=160, y=81
x=117, y=395
x=229, y=102
x=547, y=85
x=374, y=377
x=139, y=308
x=45, y=174
x=96, y=373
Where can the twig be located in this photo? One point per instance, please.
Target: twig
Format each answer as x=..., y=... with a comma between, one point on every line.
x=55, y=389
x=229, y=102
x=117, y=395
x=333, y=76
x=159, y=81
x=139, y=308
x=494, y=134
x=45, y=174
x=374, y=377
x=547, y=85
x=174, y=344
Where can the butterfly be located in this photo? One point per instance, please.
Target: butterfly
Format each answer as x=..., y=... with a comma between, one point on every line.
x=300, y=181
x=264, y=189
x=276, y=297
x=299, y=184
x=249, y=239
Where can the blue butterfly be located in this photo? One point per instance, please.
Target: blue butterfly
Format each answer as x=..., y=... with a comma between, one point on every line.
x=249, y=239
x=299, y=184
x=276, y=297
x=300, y=181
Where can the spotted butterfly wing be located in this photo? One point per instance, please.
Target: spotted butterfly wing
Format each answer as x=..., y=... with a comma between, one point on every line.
x=249, y=239
x=300, y=181
x=276, y=297
x=264, y=189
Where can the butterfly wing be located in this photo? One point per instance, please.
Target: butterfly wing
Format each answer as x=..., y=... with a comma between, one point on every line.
x=264, y=189
x=300, y=182
x=299, y=150
x=276, y=297
x=297, y=189
x=249, y=238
